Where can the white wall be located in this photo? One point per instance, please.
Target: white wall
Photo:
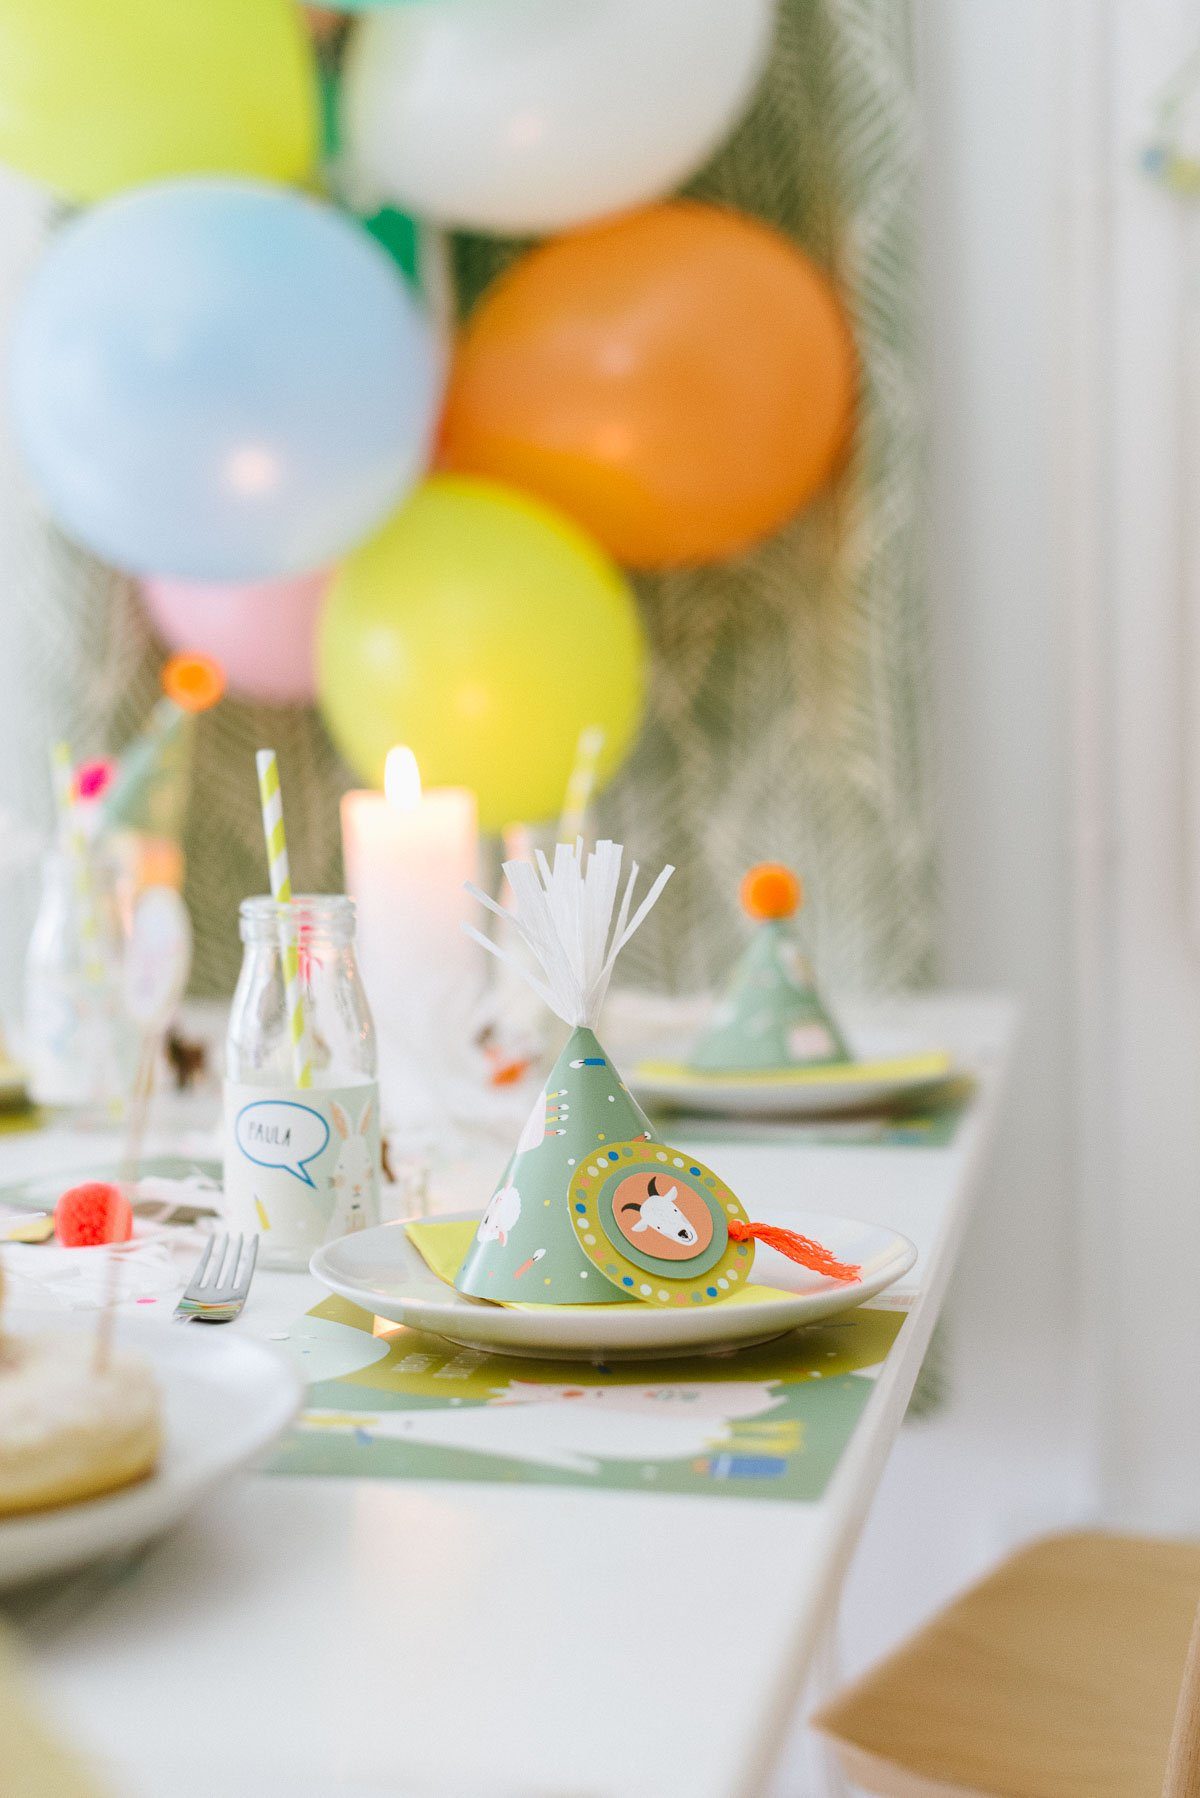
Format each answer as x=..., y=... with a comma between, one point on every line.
x=1064, y=304
x=1002, y=735
x=1064, y=291
x=1146, y=1093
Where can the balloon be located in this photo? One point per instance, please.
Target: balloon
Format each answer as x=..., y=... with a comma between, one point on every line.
x=261, y=632
x=221, y=381
x=482, y=630
x=98, y=97
x=529, y=115
x=679, y=381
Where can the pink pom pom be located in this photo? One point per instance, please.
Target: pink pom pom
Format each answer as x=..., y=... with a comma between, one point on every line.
x=93, y=778
x=94, y=1213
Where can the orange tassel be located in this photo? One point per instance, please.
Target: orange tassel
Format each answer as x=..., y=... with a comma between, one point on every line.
x=796, y=1247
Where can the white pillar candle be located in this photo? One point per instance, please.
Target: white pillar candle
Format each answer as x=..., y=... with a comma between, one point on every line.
x=407, y=855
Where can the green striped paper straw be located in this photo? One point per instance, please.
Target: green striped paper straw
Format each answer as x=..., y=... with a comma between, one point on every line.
x=582, y=784
x=271, y=795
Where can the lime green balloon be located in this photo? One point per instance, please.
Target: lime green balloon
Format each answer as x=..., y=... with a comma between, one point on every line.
x=99, y=95
x=484, y=630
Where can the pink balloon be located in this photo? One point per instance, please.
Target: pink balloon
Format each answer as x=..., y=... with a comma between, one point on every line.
x=261, y=632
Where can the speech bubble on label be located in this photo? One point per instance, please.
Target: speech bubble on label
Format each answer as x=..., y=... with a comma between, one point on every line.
x=283, y=1134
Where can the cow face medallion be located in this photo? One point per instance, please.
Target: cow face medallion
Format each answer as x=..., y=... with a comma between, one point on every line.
x=656, y=1225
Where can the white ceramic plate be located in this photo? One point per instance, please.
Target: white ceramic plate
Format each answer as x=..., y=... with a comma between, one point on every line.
x=226, y=1399
x=865, y=1087
x=381, y=1271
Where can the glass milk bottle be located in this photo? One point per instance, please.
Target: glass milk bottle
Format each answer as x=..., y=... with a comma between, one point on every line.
x=79, y=1043
x=301, y=1160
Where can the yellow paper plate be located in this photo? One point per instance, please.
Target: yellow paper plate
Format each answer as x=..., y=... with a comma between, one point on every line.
x=796, y=1092
x=444, y=1242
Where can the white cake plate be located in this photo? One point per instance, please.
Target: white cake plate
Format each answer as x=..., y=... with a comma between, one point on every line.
x=226, y=1399
x=381, y=1271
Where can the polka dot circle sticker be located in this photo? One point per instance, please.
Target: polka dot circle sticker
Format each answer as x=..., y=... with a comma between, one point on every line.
x=656, y=1225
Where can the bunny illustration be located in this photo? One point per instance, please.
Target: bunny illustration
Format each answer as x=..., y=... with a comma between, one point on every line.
x=810, y=1042
x=353, y=1179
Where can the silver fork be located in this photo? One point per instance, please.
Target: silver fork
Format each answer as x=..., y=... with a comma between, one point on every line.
x=217, y=1290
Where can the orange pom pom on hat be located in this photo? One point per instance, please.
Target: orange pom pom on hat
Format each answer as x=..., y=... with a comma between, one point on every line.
x=194, y=682
x=769, y=890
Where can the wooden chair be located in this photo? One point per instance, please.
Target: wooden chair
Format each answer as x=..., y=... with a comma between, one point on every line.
x=1067, y=1673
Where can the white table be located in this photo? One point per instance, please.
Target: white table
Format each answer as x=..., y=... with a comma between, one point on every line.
x=330, y=1637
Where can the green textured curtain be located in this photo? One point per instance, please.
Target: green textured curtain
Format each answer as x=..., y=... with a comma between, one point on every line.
x=788, y=688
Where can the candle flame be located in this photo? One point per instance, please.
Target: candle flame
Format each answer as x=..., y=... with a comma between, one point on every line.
x=402, y=779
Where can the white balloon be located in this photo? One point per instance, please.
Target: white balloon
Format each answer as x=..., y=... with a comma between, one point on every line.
x=518, y=116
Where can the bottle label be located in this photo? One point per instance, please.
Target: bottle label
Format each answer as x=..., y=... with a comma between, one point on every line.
x=301, y=1164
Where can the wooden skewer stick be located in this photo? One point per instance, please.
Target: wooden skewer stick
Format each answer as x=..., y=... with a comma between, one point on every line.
x=158, y=957
x=135, y=1133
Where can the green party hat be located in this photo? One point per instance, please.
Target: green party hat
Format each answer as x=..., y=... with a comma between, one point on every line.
x=150, y=789
x=771, y=1016
x=527, y=1247
x=590, y=1209
x=149, y=792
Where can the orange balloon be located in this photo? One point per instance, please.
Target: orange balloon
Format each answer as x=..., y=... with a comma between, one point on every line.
x=680, y=381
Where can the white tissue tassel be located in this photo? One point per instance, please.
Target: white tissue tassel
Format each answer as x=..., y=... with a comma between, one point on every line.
x=564, y=916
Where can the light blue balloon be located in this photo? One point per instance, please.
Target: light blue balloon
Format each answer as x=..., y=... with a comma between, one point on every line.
x=221, y=380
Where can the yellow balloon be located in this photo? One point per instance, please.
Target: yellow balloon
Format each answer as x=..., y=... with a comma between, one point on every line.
x=99, y=95
x=484, y=630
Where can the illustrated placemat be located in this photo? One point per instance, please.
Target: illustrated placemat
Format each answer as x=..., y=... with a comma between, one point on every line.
x=386, y=1402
